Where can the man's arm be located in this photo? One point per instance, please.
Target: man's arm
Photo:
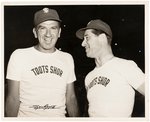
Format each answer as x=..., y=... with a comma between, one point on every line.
x=12, y=99
x=71, y=101
x=141, y=89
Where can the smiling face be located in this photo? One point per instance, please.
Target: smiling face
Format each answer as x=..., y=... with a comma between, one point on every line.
x=93, y=43
x=47, y=33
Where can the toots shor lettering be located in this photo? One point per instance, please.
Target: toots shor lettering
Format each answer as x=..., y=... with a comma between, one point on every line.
x=98, y=80
x=46, y=69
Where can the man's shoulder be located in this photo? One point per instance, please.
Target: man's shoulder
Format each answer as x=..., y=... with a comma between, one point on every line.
x=23, y=49
x=21, y=52
x=64, y=54
x=124, y=62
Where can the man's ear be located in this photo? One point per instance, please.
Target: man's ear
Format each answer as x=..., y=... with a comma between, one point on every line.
x=34, y=32
x=103, y=37
x=59, y=32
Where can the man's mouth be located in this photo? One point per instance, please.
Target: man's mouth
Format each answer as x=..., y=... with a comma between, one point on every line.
x=48, y=40
x=86, y=49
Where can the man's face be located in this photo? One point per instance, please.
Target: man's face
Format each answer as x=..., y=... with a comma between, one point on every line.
x=91, y=43
x=47, y=33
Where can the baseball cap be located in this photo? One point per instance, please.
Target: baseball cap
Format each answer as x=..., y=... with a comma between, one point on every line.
x=44, y=15
x=95, y=24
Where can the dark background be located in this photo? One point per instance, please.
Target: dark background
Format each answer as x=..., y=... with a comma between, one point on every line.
x=126, y=21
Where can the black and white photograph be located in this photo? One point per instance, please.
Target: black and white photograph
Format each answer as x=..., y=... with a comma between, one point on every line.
x=79, y=61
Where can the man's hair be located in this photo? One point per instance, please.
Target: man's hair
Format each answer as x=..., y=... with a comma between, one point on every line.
x=59, y=25
x=98, y=32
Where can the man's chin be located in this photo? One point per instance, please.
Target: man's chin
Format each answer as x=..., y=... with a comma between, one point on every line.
x=89, y=56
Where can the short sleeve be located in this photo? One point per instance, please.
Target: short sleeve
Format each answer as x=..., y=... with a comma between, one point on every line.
x=134, y=74
x=14, y=67
x=71, y=76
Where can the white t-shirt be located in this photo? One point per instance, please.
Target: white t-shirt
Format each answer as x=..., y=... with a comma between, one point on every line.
x=109, y=88
x=43, y=78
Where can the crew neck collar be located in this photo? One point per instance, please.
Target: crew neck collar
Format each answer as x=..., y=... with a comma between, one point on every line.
x=108, y=61
x=56, y=50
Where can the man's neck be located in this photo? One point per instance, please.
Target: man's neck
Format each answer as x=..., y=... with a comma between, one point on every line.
x=103, y=59
x=37, y=47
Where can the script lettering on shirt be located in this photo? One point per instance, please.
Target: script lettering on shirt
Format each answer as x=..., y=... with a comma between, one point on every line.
x=35, y=107
x=47, y=69
x=98, y=80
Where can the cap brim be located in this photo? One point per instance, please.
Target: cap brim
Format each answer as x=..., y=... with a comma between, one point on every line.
x=46, y=19
x=80, y=32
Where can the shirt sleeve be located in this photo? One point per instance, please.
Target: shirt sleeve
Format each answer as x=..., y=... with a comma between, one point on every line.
x=134, y=75
x=14, y=67
x=71, y=75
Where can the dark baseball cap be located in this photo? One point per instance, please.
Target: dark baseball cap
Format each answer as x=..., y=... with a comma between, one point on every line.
x=44, y=15
x=95, y=24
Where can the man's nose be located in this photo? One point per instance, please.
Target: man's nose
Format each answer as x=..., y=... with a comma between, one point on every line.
x=83, y=43
x=48, y=32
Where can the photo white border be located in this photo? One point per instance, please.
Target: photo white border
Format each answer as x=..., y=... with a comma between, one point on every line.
x=77, y=2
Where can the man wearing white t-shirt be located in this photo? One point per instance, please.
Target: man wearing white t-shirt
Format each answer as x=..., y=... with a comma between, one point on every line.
x=41, y=78
x=110, y=85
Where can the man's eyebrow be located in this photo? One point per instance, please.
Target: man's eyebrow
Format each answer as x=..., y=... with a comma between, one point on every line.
x=39, y=26
x=55, y=26
x=85, y=35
